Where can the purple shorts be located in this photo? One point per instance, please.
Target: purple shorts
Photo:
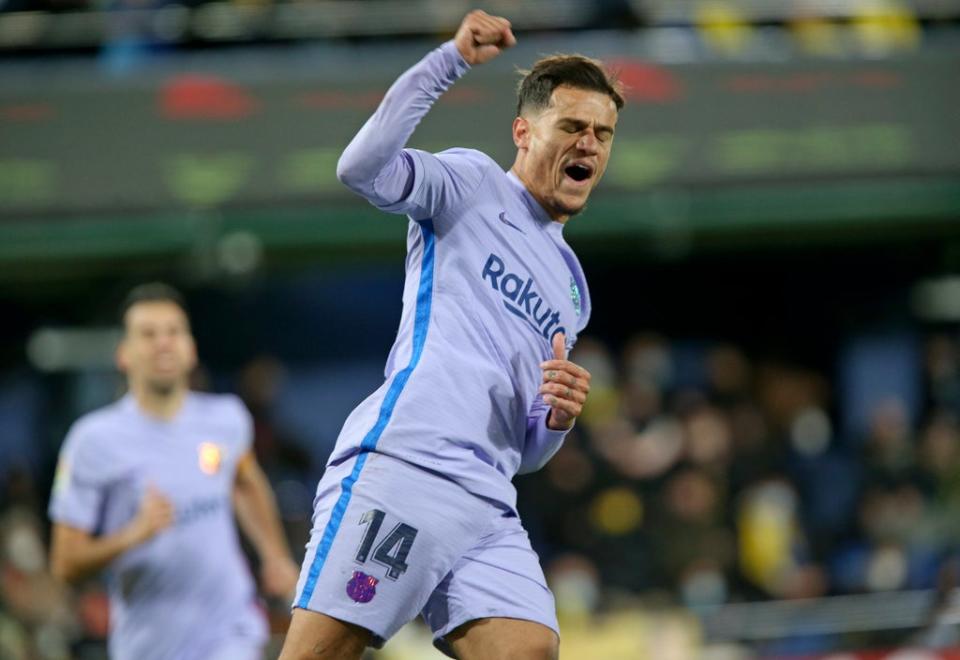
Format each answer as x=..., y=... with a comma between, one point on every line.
x=391, y=540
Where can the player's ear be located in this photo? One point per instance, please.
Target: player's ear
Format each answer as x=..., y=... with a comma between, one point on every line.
x=521, y=132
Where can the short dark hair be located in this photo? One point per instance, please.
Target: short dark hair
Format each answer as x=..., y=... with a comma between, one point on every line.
x=577, y=71
x=152, y=292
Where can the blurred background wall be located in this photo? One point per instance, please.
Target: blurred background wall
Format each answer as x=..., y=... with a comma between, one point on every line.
x=769, y=465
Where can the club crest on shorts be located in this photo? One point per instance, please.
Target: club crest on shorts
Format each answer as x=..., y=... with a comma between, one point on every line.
x=210, y=457
x=362, y=587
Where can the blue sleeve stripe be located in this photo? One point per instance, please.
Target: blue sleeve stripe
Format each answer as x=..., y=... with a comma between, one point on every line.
x=369, y=443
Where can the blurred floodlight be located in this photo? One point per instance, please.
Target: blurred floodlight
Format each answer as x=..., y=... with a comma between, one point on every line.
x=672, y=44
x=170, y=23
x=723, y=26
x=887, y=569
x=727, y=26
x=575, y=586
x=817, y=35
x=810, y=432
x=884, y=26
x=937, y=300
x=22, y=28
x=617, y=511
x=218, y=20
x=675, y=12
x=704, y=587
x=72, y=349
x=239, y=253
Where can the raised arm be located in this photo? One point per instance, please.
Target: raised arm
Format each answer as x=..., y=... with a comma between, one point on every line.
x=374, y=164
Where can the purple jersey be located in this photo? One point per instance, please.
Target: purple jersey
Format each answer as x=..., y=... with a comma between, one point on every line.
x=489, y=281
x=188, y=590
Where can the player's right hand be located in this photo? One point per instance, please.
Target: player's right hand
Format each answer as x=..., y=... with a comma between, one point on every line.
x=482, y=37
x=565, y=386
x=154, y=515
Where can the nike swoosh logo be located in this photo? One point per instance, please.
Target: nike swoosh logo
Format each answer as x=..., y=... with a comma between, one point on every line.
x=503, y=219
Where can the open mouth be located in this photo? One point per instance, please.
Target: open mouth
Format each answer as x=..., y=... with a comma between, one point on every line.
x=578, y=172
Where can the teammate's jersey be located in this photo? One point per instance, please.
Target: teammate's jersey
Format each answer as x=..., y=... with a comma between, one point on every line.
x=489, y=281
x=182, y=593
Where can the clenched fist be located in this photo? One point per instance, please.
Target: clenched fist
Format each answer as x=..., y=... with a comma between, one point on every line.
x=482, y=37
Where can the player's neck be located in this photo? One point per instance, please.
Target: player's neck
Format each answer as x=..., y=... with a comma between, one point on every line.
x=160, y=404
x=527, y=180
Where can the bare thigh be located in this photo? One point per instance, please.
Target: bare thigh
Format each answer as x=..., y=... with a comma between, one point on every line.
x=315, y=636
x=504, y=639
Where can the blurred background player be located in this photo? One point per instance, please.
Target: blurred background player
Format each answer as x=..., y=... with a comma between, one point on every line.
x=147, y=488
x=417, y=511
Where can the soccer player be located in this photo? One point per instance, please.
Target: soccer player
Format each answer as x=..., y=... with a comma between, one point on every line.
x=416, y=511
x=147, y=488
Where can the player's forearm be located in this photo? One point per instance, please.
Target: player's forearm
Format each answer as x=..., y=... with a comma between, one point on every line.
x=259, y=518
x=372, y=165
x=541, y=441
x=75, y=555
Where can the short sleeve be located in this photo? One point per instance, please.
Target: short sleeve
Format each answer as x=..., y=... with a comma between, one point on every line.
x=243, y=423
x=78, y=487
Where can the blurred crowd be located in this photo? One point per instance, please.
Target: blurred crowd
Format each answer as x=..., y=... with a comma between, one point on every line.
x=698, y=475
x=724, y=27
x=622, y=8
x=702, y=477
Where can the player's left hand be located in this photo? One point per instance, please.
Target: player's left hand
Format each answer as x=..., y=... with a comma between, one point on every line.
x=278, y=576
x=481, y=37
x=565, y=386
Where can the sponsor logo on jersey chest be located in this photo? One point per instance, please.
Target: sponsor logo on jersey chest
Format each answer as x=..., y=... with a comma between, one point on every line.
x=522, y=298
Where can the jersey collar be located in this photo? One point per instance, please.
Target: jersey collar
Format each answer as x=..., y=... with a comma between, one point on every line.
x=538, y=212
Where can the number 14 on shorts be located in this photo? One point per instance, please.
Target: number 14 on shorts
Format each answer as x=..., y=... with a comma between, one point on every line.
x=393, y=550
